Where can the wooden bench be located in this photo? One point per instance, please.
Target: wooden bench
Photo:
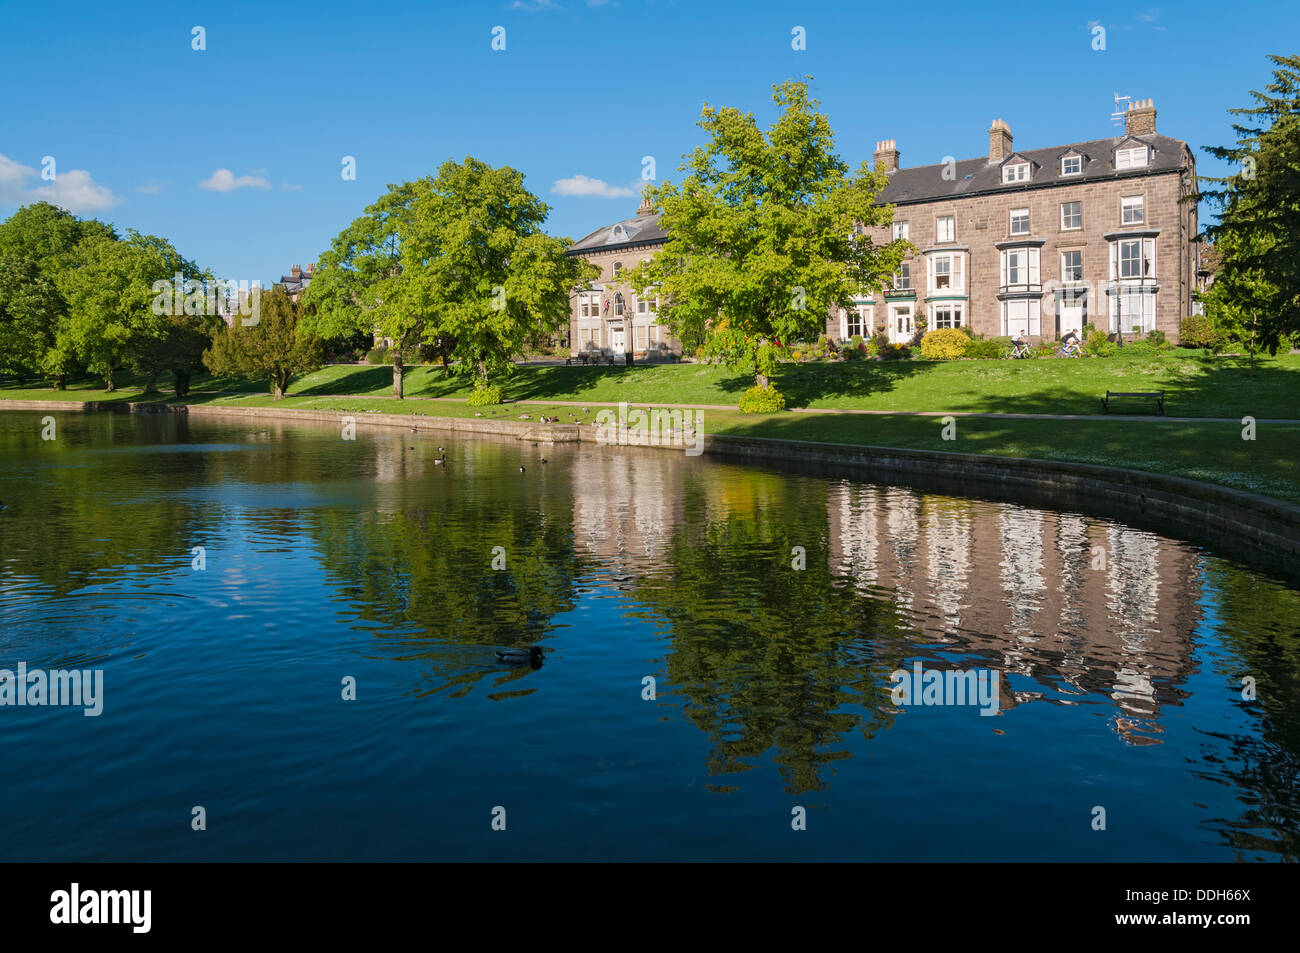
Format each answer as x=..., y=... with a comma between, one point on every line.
x=1157, y=395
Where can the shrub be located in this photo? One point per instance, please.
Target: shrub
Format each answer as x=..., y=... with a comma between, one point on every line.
x=878, y=344
x=1158, y=340
x=944, y=344
x=377, y=355
x=966, y=330
x=762, y=400
x=484, y=394
x=983, y=350
x=856, y=343
x=1198, y=330
x=1098, y=345
x=895, y=352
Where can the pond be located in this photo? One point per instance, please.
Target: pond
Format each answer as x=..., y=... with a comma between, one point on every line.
x=297, y=640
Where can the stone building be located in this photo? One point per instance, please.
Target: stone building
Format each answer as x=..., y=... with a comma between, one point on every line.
x=609, y=316
x=1040, y=240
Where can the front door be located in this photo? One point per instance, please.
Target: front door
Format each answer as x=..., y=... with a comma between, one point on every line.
x=1071, y=316
x=618, y=339
x=901, y=327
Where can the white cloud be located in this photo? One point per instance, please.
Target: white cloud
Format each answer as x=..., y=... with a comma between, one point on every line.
x=534, y=6
x=290, y=187
x=74, y=189
x=1148, y=16
x=152, y=188
x=223, y=180
x=582, y=185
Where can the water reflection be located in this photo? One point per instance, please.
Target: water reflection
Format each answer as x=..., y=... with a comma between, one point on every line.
x=771, y=608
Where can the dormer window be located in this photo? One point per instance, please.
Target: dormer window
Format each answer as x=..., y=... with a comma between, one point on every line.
x=1134, y=158
x=1015, y=172
x=1071, y=165
x=618, y=234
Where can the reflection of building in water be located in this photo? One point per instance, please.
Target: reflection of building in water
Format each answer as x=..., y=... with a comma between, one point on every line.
x=1080, y=605
x=626, y=504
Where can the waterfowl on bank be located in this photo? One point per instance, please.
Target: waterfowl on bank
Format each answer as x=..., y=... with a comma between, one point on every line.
x=529, y=656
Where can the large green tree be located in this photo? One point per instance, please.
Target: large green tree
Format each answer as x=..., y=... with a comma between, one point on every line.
x=766, y=233
x=479, y=261
x=360, y=284
x=1256, y=293
x=458, y=261
x=274, y=347
x=113, y=309
x=39, y=244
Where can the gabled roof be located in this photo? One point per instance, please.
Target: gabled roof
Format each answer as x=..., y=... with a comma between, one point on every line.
x=628, y=233
x=927, y=183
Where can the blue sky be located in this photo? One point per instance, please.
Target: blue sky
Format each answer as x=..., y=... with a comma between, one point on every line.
x=136, y=120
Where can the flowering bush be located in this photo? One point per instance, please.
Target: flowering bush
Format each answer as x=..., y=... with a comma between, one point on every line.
x=944, y=344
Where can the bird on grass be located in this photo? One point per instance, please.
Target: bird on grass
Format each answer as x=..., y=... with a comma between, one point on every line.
x=531, y=656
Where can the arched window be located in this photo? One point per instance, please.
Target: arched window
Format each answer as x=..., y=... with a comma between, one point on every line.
x=618, y=303
x=618, y=267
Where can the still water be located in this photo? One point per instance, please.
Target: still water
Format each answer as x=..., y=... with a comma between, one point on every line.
x=233, y=579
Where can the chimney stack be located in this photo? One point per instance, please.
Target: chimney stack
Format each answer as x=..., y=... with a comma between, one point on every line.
x=645, y=209
x=999, y=141
x=886, y=156
x=1140, y=118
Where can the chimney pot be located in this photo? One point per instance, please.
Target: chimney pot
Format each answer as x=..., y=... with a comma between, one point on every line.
x=1140, y=118
x=886, y=156
x=1000, y=141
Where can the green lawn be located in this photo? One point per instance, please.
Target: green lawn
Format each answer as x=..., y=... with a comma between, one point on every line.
x=1196, y=386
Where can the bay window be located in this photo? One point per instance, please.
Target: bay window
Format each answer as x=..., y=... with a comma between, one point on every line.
x=946, y=274
x=1020, y=266
x=1022, y=314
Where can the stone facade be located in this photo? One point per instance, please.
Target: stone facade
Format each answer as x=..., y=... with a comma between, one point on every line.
x=608, y=316
x=1100, y=235
x=1111, y=244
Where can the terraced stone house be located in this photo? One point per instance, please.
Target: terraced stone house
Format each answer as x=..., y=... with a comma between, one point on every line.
x=1039, y=241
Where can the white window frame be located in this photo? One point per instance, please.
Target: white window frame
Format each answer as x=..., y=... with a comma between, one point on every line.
x=902, y=230
x=896, y=284
x=1146, y=256
x=1128, y=203
x=1030, y=266
x=1015, y=172
x=1071, y=228
x=1064, y=278
x=1018, y=215
x=945, y=225
x=956, y=273
x=865, y=313
x=956, y=314
x=1076, y=158
x=1031, y=322
x=616, y=268
x=1134, y=157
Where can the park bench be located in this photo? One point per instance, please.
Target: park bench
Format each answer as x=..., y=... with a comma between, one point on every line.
x=1157, y=395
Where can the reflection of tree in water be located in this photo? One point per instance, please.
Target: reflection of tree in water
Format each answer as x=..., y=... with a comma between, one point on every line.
x=1258, y=624
x=423, y=580
x=770, y=660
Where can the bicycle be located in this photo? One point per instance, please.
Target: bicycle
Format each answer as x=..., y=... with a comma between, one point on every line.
x=1070, y=350
x=1019, y=352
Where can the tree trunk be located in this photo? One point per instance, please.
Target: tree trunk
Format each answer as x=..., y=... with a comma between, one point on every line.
x=397, y=373
x=151, y=385
x=60, y=383
x=109, y=385
x=761, y=380
x=181, y=381
x=279, y=384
